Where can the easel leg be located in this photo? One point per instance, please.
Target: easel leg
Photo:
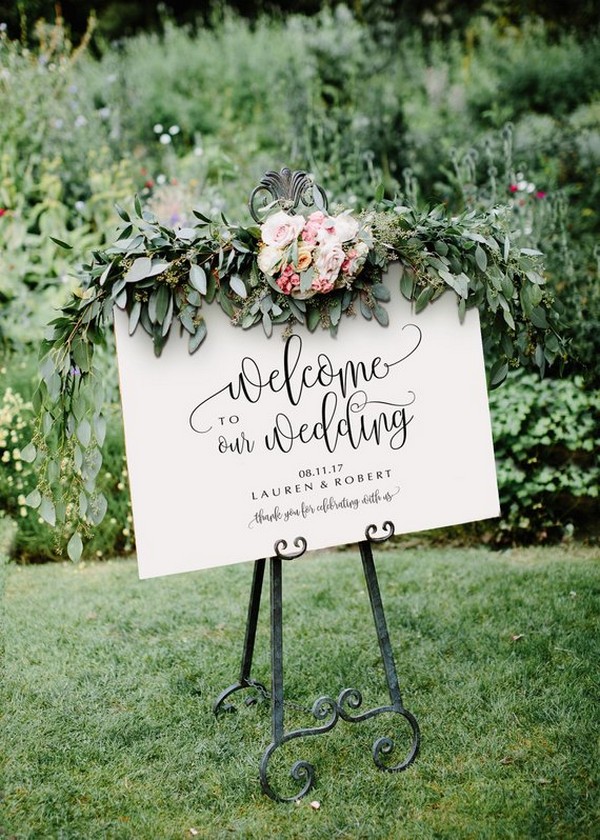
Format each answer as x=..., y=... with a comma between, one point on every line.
x=276, y=649
x=383, y=636
x=245, y=680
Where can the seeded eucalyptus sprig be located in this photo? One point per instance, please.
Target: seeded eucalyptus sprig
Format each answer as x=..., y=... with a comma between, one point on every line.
x=475, y=255
x=161, y=277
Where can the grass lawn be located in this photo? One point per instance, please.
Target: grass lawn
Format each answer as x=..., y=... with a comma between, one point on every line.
x=108, y=730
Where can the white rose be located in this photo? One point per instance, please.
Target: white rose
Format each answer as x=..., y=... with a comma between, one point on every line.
x=281, y=229
x=329, y=260
x=345, y=227
x=269, y=258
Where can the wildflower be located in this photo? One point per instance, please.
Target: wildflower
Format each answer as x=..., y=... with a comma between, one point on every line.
x=80, y=121
x=165, y=139
x=513, y=188
x=174, y=129
x=540, y=194
x=158, y=129
x=3, y=211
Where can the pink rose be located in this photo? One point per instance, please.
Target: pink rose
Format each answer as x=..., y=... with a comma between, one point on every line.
x=281, y=229
x=321, y=285
x=288, y=280
x=310, y=234
x=329, y=259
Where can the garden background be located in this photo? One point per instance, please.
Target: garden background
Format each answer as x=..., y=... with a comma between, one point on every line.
x=467, y=105
x=466, y=110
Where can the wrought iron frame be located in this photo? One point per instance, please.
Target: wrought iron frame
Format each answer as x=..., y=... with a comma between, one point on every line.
x=326, y=710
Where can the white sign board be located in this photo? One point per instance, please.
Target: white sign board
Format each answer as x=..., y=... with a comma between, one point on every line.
x=253, y=440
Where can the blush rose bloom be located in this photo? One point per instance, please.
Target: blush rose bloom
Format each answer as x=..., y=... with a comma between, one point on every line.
x=355, y=259
x=312, y=228
x=269, y=258
x=345, y=227
x=281, y=229
x=289, y=280
x=322, y=286
x=329, y=259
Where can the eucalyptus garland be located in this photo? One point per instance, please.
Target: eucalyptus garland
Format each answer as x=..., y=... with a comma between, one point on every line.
x=301, y=272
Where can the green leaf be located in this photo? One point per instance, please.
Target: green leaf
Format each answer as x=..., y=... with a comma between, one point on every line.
x=267, y=324
x=407, y=285
x=538, y=318
x=28, y=453
x=365, y=309
x=122, y=213
x=163, y=296
x=198, y=278
x=317, y=197
x=498, y=373
x=313, y=317
x=379, y=193
x=509, y=318
x=33, y=500
x=140, y=269
x=75, y=547
x=84, y=432
x=97, y=509
x=186, y=234
x=47, y=510
x=380, y=292
x=381, y=315
x=158, y=267
x=134, y=316
x=237, y=285
x=196, y=340
x=423, y=298
x=296, y=310
x=460, y=282
x=62, y=244
x=481, y=258
x=335, y=311
x=100, y=428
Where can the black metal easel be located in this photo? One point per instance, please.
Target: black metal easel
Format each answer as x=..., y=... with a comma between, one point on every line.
x=325, y=710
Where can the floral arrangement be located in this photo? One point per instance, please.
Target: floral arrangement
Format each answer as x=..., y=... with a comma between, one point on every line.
x=315, y=255
x=298, y=270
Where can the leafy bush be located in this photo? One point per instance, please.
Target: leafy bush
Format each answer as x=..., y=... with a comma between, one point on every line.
x=546, y=436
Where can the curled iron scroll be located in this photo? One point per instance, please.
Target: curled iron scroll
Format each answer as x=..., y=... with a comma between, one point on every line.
x=281, y=551
x=371, y=531
x=287, y=189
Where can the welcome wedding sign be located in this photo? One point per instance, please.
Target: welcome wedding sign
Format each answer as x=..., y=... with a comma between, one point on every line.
x=253, y=440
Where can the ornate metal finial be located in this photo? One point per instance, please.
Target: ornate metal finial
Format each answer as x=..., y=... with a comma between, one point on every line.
x=287, y=189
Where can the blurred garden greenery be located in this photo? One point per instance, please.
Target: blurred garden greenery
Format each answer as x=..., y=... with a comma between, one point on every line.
x=494, y=111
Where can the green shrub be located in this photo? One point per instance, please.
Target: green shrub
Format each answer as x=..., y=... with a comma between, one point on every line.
x=546, y=437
